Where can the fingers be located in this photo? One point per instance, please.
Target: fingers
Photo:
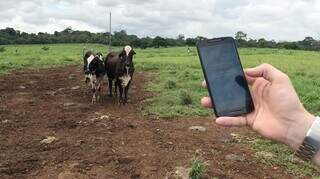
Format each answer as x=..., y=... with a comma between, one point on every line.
x=265, y=71
x=250, y=80
x=232, y=121
x=206, y=102
x=204, y=84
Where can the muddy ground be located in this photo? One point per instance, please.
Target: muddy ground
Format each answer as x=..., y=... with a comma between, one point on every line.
x=106, y=140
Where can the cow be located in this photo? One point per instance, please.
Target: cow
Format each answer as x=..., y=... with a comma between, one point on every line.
x=94, y=70
x=120, y=68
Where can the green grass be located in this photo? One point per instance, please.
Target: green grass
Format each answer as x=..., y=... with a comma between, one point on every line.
x=198, y=168
x=177, y=81
x=16, y=57
x=178, y=76
x=282, y=157
x=176, y=65
x=176, y=71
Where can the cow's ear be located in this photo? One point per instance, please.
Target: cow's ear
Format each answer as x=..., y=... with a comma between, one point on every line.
x=121, y=54
x=133, y=52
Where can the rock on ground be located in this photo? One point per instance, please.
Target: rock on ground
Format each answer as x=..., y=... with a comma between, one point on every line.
x=69, y=104
x=234, y=157
x=48, y=140
x=75, y=87
x=71, y=175
x=5, y=121
x=179, y=173
x=197, y=128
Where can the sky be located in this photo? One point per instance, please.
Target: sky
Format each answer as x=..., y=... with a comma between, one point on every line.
x=271, y=19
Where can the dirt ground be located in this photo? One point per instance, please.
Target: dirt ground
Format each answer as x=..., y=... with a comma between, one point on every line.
x=106, y=140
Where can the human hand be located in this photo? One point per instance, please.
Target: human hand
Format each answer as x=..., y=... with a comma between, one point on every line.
x=279, y=115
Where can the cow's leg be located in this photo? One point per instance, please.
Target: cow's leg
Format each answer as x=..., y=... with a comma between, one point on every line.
x=94, y=99
x=126, y=92
x=86, y=79
x=99, y=90
x=115, y=88
x=121, y=101
x=110, y=87
x=93, y=89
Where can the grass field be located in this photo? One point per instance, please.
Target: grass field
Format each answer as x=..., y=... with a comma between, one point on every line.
x=178, y=73
x=178, y=77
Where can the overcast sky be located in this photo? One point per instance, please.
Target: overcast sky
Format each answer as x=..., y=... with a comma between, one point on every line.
x=271, y=19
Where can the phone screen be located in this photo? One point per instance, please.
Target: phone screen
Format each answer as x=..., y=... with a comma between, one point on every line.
x=225, y=78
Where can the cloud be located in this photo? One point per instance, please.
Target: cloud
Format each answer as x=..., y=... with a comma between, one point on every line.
x=271, y=19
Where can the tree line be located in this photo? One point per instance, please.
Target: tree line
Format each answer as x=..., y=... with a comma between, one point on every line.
x=121, y=38
x=308, y=43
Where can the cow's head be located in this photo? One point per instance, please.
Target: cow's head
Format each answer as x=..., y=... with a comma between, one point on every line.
x=91, y=65
x=126, y=56
x=100, y=56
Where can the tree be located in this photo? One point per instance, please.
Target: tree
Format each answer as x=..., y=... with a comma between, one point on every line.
x=180, y=40
x=121, y=38
x=241, y=39
x=241, y=36
x=307, y=43
x=262, y=43
x=191, y=41
x=136, y=42
x=288, y=45
x=146, y=42
x=271, y=44
x=180, y=37
x=159, y=42
x=68, y=30
x=200, y=38
x=252, y=43
x=10, y=31
x=172, y=42
x=316, y=45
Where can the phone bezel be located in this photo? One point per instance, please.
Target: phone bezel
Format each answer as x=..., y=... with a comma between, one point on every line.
x=242, y=110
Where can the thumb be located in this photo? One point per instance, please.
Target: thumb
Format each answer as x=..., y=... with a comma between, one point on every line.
x=232, y=121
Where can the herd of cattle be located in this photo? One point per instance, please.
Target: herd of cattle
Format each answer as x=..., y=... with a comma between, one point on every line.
x=118, y=67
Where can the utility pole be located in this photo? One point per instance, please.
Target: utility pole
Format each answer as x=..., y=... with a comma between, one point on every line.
x=110, y=33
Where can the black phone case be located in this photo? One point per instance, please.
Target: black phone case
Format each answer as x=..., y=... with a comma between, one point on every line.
x=243, y=111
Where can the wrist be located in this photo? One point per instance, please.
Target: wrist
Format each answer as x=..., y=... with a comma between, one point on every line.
x=298, y=130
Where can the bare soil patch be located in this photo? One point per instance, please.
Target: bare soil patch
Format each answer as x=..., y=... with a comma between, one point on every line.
x=106, y=140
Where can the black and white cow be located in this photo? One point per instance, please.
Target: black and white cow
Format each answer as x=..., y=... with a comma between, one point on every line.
x=94, y=70
x=120, y=68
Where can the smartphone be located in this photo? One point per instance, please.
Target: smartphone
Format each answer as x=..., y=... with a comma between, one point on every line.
x=225, y=78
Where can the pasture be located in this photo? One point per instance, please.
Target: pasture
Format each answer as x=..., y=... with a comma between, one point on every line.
x=150, y=137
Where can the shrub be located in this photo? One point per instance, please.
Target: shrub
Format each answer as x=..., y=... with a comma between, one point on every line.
x=45, y=48
x=170, y=84
x=185, y=98
x=2, y=49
